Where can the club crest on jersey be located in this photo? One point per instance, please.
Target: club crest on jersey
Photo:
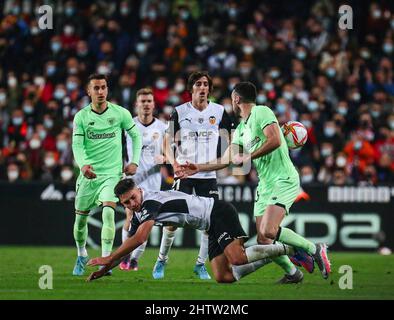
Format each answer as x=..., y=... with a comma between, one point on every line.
x=212, y=119
x=200, y=120
x=155, y=136
x=111, y=121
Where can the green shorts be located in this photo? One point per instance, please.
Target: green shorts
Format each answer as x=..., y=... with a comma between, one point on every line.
x=282, y=192
x=90, y=193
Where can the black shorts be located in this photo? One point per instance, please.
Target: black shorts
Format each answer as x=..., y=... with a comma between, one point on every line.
x=224, y=228
x=203, y=187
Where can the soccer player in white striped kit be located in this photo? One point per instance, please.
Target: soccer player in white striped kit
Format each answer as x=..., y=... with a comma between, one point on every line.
x=198, y=127
x=148, y=174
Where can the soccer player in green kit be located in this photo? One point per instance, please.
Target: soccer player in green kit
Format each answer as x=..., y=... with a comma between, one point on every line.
x=262, y=141
x=97, y=148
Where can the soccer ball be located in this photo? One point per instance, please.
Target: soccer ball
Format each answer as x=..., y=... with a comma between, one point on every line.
x=295, y=134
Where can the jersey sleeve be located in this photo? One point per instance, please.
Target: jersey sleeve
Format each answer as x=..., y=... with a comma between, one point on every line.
x=134, y=224
x=237, y=137
x=78, y=141
x=264, y=116
x=131, y=129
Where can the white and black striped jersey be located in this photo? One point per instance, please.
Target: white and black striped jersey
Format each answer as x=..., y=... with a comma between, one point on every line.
x=199, y=139
x=148, y=173
x=173, y=208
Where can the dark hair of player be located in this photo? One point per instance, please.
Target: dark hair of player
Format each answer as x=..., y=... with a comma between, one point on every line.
x=193, y=78
x=97, y=76
x=123, y=186
x=144, y=91
x=247, y=92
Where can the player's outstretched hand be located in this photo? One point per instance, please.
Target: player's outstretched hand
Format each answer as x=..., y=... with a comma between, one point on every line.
x=188, y=169
x=239, y=159
x=96, y=275
x=130, y=169
x=87, y=171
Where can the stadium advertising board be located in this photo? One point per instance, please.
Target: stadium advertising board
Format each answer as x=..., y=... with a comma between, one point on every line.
x=347, y=218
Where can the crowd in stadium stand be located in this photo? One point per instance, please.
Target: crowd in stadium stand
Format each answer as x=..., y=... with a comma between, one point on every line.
x=338, y=83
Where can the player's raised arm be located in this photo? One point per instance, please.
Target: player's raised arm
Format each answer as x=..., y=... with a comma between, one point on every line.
x=272, y=132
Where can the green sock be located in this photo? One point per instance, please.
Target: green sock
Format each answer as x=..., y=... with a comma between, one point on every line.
x=81, y=230
x=108, y=230
x=285, y=263
x=289, y=237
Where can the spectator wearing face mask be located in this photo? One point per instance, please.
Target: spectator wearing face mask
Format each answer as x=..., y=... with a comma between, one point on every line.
x=17, y=129
x=49, y=168
x=66, y=175
x=307, y=175
x=331, y=133
x=34, y=152
x=161, y=91
x=359, y=152
x=63, y=147
x=13, y=173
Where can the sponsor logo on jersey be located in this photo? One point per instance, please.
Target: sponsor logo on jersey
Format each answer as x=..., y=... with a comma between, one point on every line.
x=199, y=134
x=186, y=119
x=212, y=119
x=95, y=136
x=252, y=143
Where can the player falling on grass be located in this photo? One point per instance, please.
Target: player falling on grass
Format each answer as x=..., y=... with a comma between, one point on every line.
x=230, y=260
x=148, y=173
x=97, y=148
x=262, y=141
x=196, y=128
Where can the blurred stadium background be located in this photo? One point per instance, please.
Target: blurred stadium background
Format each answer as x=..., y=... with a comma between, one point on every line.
x=338, y=83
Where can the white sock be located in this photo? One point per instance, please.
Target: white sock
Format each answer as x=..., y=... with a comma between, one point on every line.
x=258, y=252
x=82, y=251
x=203, y=253
x=293, y=271
x=245, y=269
x=166, y=243
x=105, y=254
x=137, y=252
x=125, y=235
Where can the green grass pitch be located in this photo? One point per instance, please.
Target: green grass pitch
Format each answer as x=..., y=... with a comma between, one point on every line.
x=373, y=278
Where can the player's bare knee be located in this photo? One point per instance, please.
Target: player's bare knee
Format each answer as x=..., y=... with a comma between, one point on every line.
x=171, y=228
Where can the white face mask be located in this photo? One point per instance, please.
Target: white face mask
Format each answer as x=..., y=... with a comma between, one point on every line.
x=161, y=84
x=61, y=145
x=12, y=175
x=308, y=178
x=179, y=87
x=341, y=162
x=49, y=162
x=12, y=82
x=168, y=109
x=66, y=175
x=228, y=108
x=35, y=144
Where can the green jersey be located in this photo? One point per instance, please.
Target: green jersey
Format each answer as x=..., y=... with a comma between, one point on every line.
x=249, y=134
x=97, y=138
